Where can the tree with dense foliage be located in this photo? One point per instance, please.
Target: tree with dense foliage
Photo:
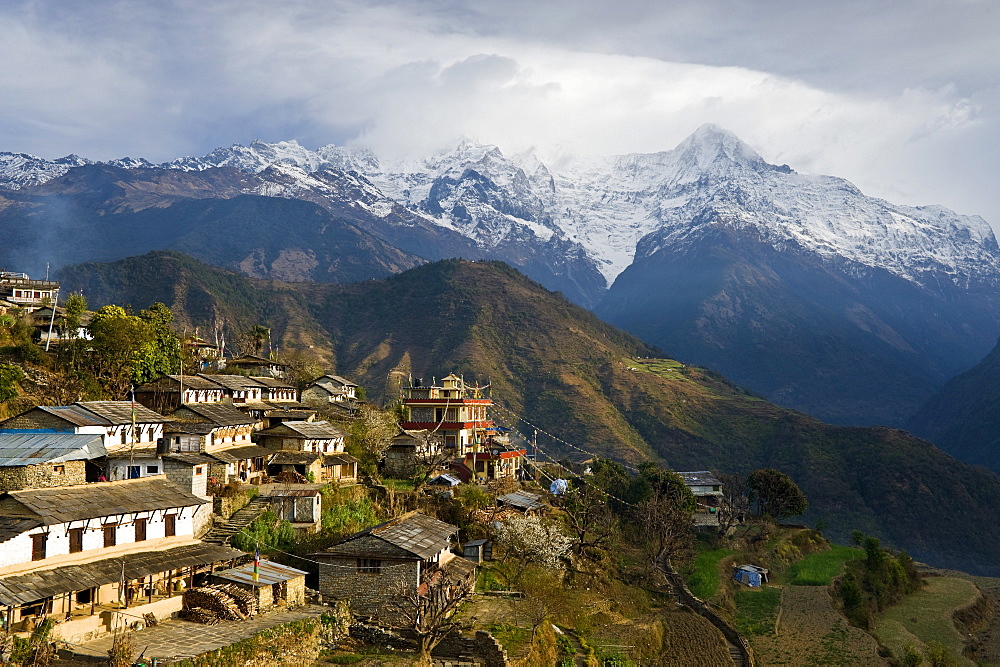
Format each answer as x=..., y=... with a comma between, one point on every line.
x=776, y=494
x=252, y=341
x=875, y=582
x=132, y=349
x=10, y=375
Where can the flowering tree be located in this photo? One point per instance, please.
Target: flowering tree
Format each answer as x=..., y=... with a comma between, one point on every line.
x=529, y=538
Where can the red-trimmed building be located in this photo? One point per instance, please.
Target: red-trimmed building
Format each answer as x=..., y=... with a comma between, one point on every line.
x=452, y=411
x=458, y=414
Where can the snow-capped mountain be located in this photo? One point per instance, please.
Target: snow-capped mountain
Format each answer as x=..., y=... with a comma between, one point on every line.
x=18, y=170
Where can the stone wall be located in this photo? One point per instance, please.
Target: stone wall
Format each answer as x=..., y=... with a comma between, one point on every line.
x=369, y=594
x=36, y=419
x=296, y=591
x=43, y=476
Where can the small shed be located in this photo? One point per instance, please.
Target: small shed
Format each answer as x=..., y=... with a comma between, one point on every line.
x=522, y=500
x=276, y=584
x=751, y=575
x=445, y=480
x=478, y=550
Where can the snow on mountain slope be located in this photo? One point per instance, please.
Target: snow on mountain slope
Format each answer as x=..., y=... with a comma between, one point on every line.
x=608, y=209
x=18, y=170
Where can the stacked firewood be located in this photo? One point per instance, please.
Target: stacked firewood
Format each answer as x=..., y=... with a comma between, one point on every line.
x=199, y=615
x=244, y=599
x=214, y=600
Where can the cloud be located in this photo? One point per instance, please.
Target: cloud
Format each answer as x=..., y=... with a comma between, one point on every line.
x=900, y=102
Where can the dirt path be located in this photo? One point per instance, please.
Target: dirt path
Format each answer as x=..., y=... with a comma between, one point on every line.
x=811, y=632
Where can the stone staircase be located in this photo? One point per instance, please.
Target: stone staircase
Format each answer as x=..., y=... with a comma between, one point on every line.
x=221, y=534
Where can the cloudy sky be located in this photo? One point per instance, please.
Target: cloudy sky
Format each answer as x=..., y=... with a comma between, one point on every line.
x=903, y=98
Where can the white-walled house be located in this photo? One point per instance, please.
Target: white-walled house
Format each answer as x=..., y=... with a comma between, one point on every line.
x=63, y=552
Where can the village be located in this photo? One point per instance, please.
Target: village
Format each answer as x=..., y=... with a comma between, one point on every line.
x=187, y=504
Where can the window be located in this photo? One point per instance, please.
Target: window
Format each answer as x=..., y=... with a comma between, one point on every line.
x=199, y=470
x=38, y=546
x=59, y=470
x=140, y=530
x=152, y=470
x=75, y=540
x=169, y=525
x=110, y=534
x=369, y=566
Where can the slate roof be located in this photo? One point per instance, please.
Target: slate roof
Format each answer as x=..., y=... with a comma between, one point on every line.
x=25, y=588
x=413, y=534
x=700, y=478
x=234, y=454
x=294, y=458
x=272, y=383
x=231, y=382
x=269, y=573
x=522, y=500
x=120, y=412
x=11, y=527
x=338, y=459
x=316, y=430
x=172, y=383
x=191, y=458
x=336, y=378
x=76, y=415
x=254, y=360
x=145, y=451
x=89, y=501
x=220, y=414
x=197, y=428
x=23, y=449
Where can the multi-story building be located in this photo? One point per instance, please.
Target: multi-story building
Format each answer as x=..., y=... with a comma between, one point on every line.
x=453, y=411
x=96, y=557
x=29, y=294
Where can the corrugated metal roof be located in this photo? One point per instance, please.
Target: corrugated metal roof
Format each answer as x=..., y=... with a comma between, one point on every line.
x=22, y=449
x=26, y=588
x=269, y=573
x=338, y=459
x=120, y=412
x=89, y=501
x=522, y=500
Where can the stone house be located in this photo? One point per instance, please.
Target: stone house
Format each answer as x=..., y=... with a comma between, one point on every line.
x=276, y=584
x=330, y=389
x=43, y=460
x=302, y=436
x=378, y=567
x=299, y=504
x=254, y=365
x=97, y=556
x=408, y=450
x=131, y=432
x=454, y=410
x=497, y=459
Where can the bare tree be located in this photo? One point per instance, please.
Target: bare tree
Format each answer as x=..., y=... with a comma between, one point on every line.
x=372, y=432
x=664, y=526
x=735, y=501
x=430, y=460
x=429, y=611
x=588, y=517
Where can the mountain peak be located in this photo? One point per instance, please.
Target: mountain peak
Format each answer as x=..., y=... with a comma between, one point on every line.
x=710, y=144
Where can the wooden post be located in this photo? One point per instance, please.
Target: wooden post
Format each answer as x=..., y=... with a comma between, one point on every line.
x=149, y=591
x=94, y=592
x=170, y=583
x=69, y=604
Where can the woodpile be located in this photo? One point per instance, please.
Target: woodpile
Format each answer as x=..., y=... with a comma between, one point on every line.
x=198, y=615
x=244, y=599
x=216, y=601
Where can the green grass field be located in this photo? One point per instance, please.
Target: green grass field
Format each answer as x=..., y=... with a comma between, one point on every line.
x=926, y=616
x=756, y=610
x=820, y=568
x=704, y=581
